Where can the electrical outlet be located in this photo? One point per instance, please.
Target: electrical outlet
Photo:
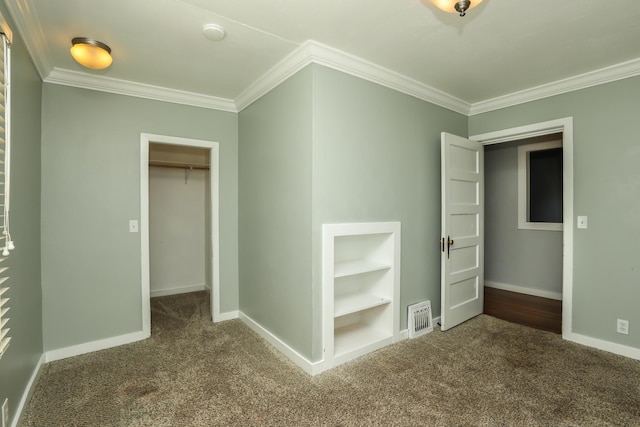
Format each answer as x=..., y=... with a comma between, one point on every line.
x=623, y=327
x=5, y=413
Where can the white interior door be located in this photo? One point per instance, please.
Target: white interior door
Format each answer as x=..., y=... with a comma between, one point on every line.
x=462, y=272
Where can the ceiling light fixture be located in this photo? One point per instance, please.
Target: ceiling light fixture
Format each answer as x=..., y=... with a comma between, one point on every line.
x=91, y=53
x=453, y=6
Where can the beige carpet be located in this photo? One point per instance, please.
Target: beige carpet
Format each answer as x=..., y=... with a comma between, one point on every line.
x=486, y=372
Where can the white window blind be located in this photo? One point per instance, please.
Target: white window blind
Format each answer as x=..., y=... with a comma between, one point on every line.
x=5, y=158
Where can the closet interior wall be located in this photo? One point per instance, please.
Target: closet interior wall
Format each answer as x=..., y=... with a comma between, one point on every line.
x=179, y=208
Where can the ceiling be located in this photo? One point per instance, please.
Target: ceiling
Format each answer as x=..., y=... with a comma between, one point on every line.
x=501, y=48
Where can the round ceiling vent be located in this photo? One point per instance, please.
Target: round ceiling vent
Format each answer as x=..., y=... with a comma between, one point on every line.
x=214, y=32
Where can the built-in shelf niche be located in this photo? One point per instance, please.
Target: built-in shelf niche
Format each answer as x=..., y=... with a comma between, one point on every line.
x=361, y=280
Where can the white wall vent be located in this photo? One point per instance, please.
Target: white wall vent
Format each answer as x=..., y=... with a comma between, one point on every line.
x=420, y=319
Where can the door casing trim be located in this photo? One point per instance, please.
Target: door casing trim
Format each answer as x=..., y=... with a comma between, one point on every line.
x=564, y=126
x=214, y=180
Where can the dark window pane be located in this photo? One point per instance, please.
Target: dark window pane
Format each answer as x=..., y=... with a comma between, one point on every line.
x=545, y=185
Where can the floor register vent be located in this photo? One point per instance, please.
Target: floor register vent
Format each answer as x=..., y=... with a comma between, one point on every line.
x=420, y=319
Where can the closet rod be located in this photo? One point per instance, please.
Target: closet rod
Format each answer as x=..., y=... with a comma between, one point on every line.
x=179, y=166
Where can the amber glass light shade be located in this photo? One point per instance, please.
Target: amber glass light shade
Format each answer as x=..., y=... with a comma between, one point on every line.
x=91, y=53
x=450, y=5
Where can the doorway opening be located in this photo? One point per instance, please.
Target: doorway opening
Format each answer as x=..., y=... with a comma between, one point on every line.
x=563, y=127
x=178, y=219
x=174, y=153
x=523, y=232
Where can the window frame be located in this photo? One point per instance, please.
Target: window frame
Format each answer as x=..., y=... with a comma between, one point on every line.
x=5, y=236
x=523, y=187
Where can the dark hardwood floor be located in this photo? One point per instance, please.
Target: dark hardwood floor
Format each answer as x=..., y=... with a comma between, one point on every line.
x=527, y=310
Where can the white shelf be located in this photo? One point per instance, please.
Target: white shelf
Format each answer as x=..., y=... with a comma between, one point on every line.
x=353, y=303
x=361, y=289
x=357, y=339
x=344, y=269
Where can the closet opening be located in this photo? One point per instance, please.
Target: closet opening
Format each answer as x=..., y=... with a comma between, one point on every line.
x=179, y=223
x=178, y=220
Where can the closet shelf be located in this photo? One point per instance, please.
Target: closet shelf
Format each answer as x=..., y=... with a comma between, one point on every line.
x=176, y=165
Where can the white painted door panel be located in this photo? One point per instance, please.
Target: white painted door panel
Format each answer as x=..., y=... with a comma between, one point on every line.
x=462, y=271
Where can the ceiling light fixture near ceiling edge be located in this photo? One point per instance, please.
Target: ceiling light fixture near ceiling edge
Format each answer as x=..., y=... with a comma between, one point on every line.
x=214, y=32
x=456, y=6
x=91, y=53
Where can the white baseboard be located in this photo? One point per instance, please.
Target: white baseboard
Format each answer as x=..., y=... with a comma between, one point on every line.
x=89, y=347
x=177, y=290
x=404, y=334
x=620, y=349
x=28, y=391
x=436, y=323
x=228, y=315
x=311, y=368
x=76, y=350
x=524, y=290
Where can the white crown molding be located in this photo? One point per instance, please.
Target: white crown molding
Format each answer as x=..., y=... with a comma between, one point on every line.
x=23, y=14
x=291, y=64
x=28, y=25
x=140, y=90
x=309, y=52
x=338, y=60
x=609, y=74
x=314, y=52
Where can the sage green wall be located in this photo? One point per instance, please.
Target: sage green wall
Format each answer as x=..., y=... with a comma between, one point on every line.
x=23, y=355
x=376, y=157
x=275, y=211
x=91, y=189
x=526, y=258
x=606, y=189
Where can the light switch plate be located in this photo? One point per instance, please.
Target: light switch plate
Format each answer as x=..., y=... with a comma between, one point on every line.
x=133, y=226
x=582, y=222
